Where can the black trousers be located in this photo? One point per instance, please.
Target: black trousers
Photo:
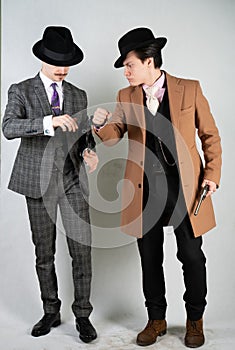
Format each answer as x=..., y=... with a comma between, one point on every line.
x=160, y=202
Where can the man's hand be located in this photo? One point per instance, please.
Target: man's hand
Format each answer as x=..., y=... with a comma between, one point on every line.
x=65, y=122
x=101, y=115
x=91, y=159
x=212, y=186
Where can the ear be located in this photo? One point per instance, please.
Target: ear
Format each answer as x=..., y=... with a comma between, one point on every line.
x=149, y=61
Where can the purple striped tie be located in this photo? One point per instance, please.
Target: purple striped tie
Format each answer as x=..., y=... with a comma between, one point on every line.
x=55, y=101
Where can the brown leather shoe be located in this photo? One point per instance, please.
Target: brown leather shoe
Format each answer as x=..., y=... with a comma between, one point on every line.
x=194, y=334
x=153, y=329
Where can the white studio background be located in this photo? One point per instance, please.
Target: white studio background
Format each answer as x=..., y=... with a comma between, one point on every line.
x=200, y=46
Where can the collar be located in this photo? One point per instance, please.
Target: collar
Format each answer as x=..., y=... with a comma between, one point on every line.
x=158, y=84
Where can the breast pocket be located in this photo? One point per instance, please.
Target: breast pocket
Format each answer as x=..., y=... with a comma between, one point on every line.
x=186, y=111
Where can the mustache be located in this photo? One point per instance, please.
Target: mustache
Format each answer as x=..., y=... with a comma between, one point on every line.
x=61, y=75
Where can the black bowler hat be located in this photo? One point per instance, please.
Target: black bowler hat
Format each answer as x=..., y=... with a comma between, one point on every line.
x=136, y=39
x=57, y=48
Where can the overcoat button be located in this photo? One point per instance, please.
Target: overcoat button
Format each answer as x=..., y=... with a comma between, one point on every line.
x=139, y=185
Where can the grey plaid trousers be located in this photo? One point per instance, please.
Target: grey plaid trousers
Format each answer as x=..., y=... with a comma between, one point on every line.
x=63, y=192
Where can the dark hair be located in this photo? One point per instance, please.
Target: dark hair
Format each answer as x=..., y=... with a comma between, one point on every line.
x=151, y=50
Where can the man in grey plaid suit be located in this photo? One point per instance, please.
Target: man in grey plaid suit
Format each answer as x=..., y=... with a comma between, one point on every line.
x=49, y=115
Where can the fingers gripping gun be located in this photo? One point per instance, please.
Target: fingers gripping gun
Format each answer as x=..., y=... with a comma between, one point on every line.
x=202, y=197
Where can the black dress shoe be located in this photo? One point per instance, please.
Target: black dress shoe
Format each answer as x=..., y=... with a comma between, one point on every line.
x=43, y=327
x=86, y=330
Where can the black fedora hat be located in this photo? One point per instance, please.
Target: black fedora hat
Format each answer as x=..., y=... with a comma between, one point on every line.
x=57, y=48
x=136, y=39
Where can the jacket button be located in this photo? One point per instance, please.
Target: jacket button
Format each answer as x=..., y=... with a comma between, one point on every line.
x=139, y=185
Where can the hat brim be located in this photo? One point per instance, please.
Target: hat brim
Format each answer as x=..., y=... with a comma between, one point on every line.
x=56, y=59
x=160, y=42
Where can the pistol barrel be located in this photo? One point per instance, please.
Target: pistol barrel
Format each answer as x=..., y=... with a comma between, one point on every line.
x=202, y=197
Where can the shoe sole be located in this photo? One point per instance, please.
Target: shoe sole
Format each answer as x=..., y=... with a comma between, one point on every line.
x=146, y=344
x=87, y=339
x=193, y=346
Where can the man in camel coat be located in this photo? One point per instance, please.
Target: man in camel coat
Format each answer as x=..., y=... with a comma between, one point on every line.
x=164, y=175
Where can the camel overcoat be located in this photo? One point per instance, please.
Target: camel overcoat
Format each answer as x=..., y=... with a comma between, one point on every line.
x=192, y=121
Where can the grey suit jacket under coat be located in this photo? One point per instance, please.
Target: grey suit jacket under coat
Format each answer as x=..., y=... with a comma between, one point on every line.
x=27, y=105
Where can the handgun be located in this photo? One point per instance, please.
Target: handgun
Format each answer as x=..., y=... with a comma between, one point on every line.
x=204, y=191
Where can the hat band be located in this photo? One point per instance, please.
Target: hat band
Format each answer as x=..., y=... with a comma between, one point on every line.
x=58, y=56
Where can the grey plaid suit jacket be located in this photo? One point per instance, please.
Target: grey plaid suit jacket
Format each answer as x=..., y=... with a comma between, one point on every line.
x=27, y=106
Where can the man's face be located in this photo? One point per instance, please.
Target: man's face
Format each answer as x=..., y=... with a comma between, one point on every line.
x=53, y=72
x=136, y=71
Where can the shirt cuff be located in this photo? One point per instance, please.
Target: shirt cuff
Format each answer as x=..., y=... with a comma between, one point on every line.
x=97, y=127
x=86, y=149
x=47, y=126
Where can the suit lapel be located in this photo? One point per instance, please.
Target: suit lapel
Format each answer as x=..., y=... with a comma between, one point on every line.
x=68, y=108
x=42, y=96
x=68, y=100
x=45, y=104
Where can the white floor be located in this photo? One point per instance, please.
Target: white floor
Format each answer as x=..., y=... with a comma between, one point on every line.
x=119, y=312
x=111, y=335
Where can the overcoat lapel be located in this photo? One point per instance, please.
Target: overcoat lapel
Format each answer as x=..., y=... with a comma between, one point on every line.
x=137, y=101
x=175, y=93
x=137, y=97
